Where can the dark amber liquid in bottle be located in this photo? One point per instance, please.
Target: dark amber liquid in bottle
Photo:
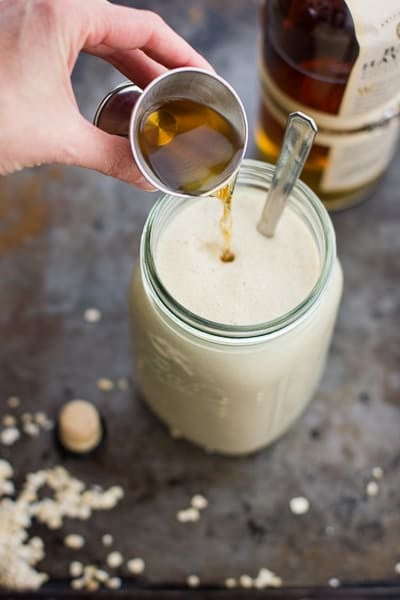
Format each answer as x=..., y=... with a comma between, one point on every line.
x=192, y=148
x=308, y=50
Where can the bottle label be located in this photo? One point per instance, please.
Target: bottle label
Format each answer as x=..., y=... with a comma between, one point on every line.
x=372, y=89
x=354, y=158
x=372, y=95
x=374, y=81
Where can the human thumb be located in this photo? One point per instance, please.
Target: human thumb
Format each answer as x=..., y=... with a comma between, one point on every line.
x=108, y=154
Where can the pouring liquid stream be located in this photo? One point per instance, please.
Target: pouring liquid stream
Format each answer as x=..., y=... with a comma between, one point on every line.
x=193, y=148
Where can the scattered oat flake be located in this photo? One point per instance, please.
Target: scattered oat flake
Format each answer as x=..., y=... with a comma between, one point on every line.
x=13, y=401
x=230, y=582
x=267, y=578
x=107, y=539
x=92, y=315
x=65, y=497
x=114, y=583
x=114, y=559
x=246, y=581
x=397, y=568
x=92, y=585
x=299, y=505
x=74, y=541
x=9, y=436
x=334, y=582
x=372, y=488
x=330, y=530
x=101, y=575
x=43, y=421
x=75, y=568
x=6, y=469
x=198, y=501
x=7, y=488
x=136, y=566
x=193, y=580
x=9, y=421
x=105, y=385
x=188, y=515
x=123, y=384
x=77, y=584
x=377, y=472
x=31, y=429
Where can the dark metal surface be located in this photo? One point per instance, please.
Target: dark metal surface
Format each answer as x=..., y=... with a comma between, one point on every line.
x=69, y=240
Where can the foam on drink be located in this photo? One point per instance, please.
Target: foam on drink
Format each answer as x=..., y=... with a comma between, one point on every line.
x=268, y=278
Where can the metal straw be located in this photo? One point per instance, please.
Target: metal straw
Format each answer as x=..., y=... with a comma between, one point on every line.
x=299, y=137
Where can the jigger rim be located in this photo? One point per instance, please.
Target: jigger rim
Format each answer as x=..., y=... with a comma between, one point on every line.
x=133, y=130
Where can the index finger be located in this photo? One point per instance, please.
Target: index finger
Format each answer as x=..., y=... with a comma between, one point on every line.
x=120, y=28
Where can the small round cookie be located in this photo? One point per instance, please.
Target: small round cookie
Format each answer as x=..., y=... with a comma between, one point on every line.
x=80, y=428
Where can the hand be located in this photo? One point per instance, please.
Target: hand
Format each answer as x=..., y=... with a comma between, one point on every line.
x=39, y=43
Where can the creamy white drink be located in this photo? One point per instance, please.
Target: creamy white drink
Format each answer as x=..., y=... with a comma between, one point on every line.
x=229, y=354
x=268, y=277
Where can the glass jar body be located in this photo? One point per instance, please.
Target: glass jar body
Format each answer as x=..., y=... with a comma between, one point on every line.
x=230, y=394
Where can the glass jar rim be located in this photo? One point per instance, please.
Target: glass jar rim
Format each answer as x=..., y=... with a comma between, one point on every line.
x=261, y=174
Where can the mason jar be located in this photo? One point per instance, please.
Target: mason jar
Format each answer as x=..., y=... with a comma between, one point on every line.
x=228, y=388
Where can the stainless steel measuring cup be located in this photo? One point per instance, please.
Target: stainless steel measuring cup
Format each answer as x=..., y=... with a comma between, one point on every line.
x=123, y=110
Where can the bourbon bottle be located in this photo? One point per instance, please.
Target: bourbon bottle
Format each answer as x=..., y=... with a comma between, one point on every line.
x=339, y=62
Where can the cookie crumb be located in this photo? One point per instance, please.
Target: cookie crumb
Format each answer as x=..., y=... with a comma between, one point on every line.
x=334, y=582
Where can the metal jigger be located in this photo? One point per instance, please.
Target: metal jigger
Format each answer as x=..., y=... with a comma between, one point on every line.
x=124, y=108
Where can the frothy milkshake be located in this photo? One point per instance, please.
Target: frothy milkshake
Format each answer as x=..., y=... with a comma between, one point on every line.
x=267, y=278
x=229, y=354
